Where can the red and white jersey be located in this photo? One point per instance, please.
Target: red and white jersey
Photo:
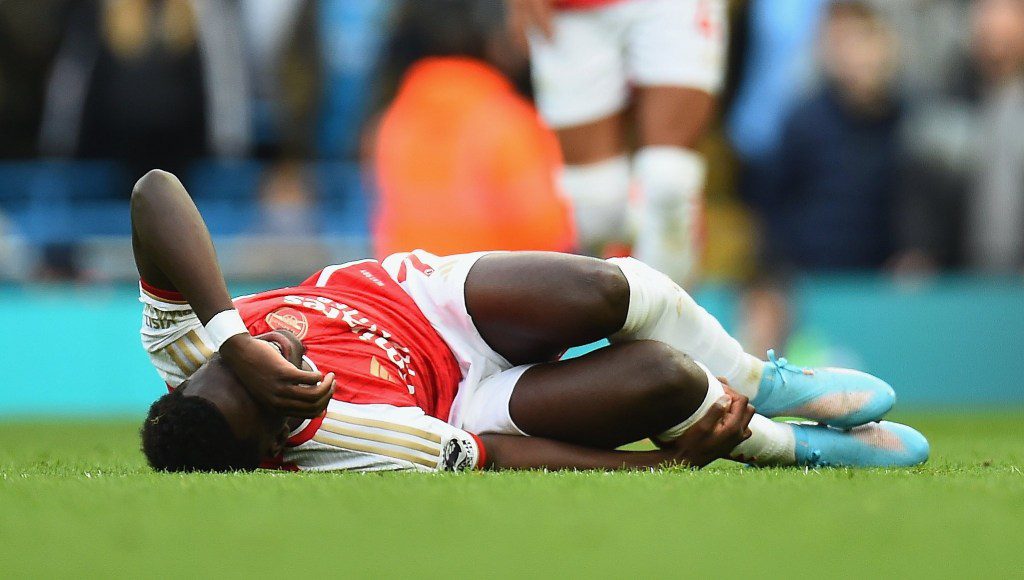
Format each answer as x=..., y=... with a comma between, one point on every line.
x=396, y=377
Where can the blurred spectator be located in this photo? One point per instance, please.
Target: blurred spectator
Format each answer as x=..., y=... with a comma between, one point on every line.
x=283, y=43
x=831, y=201
x=965, y=189
x=933, y=38
x=60, y=262
x=286, y=202
x=996, y=208
x=778, y=71
x=29, y=35
x=352, y=33
x=152, y=82
x=283, y=48
x=462, y=161
x=12, y=251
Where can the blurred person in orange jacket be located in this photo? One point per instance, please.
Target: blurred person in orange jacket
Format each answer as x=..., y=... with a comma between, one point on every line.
x=462, y=161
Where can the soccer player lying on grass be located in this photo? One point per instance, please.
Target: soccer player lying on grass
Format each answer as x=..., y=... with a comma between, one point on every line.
x=448, y=363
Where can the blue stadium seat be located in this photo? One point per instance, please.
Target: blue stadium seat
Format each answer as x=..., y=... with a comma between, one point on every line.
x=217, y=179
x=228, y=217
x=344, y=200
x=60, y=201
x=63, y=201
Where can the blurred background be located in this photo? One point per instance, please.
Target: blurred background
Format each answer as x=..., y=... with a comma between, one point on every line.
x=864, y=200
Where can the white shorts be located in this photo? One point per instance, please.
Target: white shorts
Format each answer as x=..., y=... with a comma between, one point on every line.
x=438, y=286
x=584, y=73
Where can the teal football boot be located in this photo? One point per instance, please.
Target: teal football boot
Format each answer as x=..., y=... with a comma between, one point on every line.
x=883, y=444
x=840, y=398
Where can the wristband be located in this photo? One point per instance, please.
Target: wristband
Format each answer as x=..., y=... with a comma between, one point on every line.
x=223, y=326
x=481, y=459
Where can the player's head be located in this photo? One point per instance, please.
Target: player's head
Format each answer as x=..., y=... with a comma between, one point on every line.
x=212, y=423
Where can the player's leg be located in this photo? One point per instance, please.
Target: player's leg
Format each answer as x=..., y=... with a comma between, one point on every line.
x=646, y=389
x=661, y=310
x=610, y=397
x=581, y=91
x=531, y=306
x=677, y=56
x=614, y=396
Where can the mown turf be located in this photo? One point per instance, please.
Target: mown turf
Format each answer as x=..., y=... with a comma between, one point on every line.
x=76, y=500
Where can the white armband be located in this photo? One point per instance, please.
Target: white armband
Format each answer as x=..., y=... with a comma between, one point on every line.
x=223, y=326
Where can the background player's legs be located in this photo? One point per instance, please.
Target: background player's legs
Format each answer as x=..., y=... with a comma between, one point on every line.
x=672, y=116
x=676, y=55
x=670, y=177
x=628, y=392
x=581, y=87
x=596, y=177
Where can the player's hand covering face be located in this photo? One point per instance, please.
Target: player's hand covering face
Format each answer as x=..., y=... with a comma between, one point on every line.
x=270, y=368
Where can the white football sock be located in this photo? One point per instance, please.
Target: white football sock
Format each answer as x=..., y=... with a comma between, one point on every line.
x=770, y=443
x=660, y=310
x=600, y=194
x=671, y=181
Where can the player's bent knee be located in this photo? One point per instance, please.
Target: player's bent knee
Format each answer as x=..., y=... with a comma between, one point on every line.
x=671, y=378
x=611, y=285
x=604, y=292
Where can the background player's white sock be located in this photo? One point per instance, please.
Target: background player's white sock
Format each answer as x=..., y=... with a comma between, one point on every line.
x=770, y=443
x=660, y=310
x=671, y=181
x=599, y=193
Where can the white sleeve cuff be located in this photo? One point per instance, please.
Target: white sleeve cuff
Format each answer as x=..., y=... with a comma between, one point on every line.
x=223, y=326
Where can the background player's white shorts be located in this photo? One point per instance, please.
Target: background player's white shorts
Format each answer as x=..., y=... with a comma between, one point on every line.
x=584, y=73
x=437, y=285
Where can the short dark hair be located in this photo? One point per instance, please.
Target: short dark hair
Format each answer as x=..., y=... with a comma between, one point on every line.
x=190, y=434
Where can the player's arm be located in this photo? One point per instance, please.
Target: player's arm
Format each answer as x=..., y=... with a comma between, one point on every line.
x=174, y=252
x=711, y=438
x=386, y=437
x=514, y=452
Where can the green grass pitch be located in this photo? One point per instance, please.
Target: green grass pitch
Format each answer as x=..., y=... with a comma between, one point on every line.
x=77, y=500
